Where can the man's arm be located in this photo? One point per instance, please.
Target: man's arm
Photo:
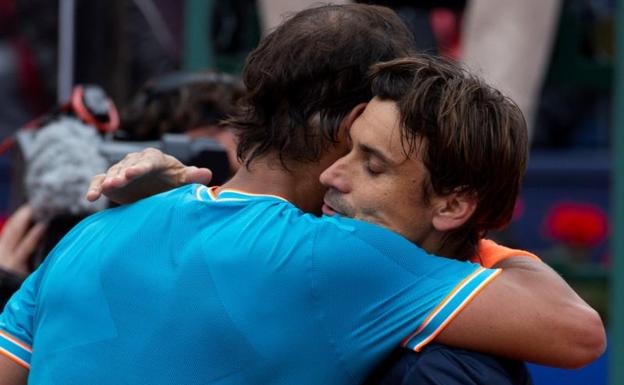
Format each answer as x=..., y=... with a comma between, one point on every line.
x=11, y=373
x=529, y=313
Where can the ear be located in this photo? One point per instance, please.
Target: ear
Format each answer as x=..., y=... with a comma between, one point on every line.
x=348, y=120
x=453, y=210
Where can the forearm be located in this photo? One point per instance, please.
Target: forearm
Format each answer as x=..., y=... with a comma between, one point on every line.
x=529, y=313
x=11, y=373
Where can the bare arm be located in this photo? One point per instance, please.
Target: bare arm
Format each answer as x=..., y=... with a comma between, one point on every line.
x=529, y=313
x=11, y=373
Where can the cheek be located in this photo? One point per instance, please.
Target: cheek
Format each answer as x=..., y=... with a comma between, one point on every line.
x=398, y=210
x=377, y=208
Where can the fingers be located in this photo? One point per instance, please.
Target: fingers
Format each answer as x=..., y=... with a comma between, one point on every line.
x=196, y=175
x=120, y=174
x=113, y=182
x=26, y=247
x=142, y=174
x=17, y=241
x=95, y=188
x=133, y=172
x=102, y=183
x=15, y=227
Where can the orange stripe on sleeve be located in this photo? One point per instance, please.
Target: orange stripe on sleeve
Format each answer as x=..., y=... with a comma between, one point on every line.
x=441, y=305
x=15, y=359
x=15, y=341
x=461, y=307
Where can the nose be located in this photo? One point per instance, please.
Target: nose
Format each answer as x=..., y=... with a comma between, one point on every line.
x=336, y=177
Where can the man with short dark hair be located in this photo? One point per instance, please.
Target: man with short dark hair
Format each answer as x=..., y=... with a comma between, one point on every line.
x=244, y=287
x=445, y=144
x=440, y=138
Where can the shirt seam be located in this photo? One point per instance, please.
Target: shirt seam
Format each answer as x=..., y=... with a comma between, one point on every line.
x=330, y=340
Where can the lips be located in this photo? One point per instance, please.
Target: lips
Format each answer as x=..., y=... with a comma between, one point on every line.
x=328, y=210
x=335, y=204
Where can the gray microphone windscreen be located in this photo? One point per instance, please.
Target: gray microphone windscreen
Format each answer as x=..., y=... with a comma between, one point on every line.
x=63, y=158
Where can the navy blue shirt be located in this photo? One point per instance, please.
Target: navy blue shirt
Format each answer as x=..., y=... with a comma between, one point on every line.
x=438, y=364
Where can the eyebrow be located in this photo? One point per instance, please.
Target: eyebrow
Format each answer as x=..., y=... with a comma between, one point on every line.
x=375, y=152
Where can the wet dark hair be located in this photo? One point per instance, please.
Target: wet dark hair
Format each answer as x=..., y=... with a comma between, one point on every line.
x=313, y=67
x=472, y=139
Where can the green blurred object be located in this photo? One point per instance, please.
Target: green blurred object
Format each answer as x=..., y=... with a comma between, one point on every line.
x=198, y=47
x=617, y=275
x=233, y=62
x=570, y=66
x=201, y=34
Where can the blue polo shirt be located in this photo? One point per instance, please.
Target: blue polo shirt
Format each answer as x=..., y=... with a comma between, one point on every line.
x=188, y=287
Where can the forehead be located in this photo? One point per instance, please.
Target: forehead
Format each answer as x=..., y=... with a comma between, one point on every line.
x=380, y=115
x=379, y=127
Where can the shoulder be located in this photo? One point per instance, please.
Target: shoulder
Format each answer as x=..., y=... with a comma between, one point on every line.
x=155, y=211
x=349, y=231
x=156, y=205
x=367, y=243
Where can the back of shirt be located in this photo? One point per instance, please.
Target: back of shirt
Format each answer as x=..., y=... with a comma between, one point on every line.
x=187, y=287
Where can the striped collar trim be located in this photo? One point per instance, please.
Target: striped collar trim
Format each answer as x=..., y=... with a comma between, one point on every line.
x=210, y=193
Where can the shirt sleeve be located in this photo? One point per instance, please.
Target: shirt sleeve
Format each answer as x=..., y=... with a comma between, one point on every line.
x=17, y=320
x=377, y=290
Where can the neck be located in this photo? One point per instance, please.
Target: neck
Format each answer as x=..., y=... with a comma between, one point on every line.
x=432, y=243
x=449, y=246
x=299, y=184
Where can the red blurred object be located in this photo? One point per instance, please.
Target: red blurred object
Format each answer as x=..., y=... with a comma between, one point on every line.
x=446, y=26
x=577, y=224
x=3, y=220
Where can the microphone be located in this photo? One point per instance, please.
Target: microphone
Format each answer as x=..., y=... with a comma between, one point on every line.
x=61, y=158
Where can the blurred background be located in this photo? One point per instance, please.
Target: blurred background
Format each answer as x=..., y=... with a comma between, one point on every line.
x=556, y=58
